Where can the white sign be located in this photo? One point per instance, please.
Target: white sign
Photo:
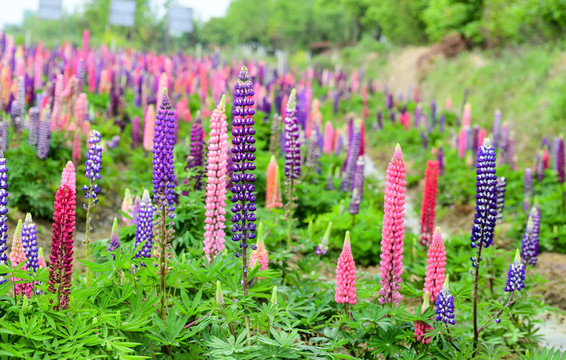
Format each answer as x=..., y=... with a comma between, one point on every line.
x=180, y=19
x=50, y=9
x=122, y=13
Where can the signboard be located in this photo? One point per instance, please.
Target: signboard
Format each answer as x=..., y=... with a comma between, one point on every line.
x=50, y=9
x=122, y=13
x=180, y=19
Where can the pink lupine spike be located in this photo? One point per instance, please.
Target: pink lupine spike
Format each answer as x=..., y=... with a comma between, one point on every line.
x=17, y=256
x=346, y=275
x=420, y=326
x=435, y=266
x=462, y=143
x=148, y=128
x=273, y=187
x=127, y=207
x=77, y=147
x=68, y=177
x=448, y=104
x=58, y=103
x=481, y=137
x=393, y=232
x=467, y=115
x=259, y=255
x=216, y=171
x=328, y=138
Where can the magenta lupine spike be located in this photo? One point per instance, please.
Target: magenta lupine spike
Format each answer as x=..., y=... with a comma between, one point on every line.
x=68, y=177
x=435, y=266
x=391, y=264
x=216, y=183
x=422, y=327
x=260, y=255
x=346, y=275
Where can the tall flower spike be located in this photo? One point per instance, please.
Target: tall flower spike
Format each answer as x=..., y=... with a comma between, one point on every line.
x=144, y=227
x=393, y=232
x=260, y=255
x=127, y=207
x=486, y=198
x=194, y=161
x=292, y=158
x=17, y=256
x=61, y=258
x=445, y=304
x=516, y=275
x=148, y=128
x=529, y=250
x=435, y=266
x=500, y=199
x=114, y=238
x=29, y=243
x=243, y=150
x=69, y=176
x=357, y=186
x=527, y=189
x=313, y=152
x=215, y=213
x=3, y=213
x=322, y=248
x=560, y=161
x=428, y=209
x=93, y=165
x=273, y=186
x=219, y=296
x=346, y=275
x=421, y=327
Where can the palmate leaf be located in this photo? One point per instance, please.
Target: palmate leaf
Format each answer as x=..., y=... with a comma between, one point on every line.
x=386, y=344
x=545, y=354
x=234, y=348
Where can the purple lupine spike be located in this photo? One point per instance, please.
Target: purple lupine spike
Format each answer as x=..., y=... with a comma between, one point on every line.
x=440, y=159
x=379, y=119
x=278, y=101
x=445, y=304
x=163, y=168
x=486, y=197
x=319, y=140
x=501, y=187
x=243, y=150
x=339, y=145
x=302, y=108
x=329, y=180
x=546, y=143
x=350, y=140
x=135, y=132
x=417, y=114
x=144, y=227
x=29, y=243
x=3, y=136
x=433, y=113
x=560, y=161
x=529, y=249
x=497, y=129
x=3, y=213
x=357, y=187
x=539, y=168
x=93, y=165
x=194, y=161
x=527, y=189
x=313, y=152
x=33, y=126
x=424, y=139
x=442, y=122
x=114, y=238
x=353, y=153
x=81, y=73
x=475, y=140
x=292, y=144
x=555, y=145
x=336, y=103
x=388, y=101
x=516, y=275
x=44, y=134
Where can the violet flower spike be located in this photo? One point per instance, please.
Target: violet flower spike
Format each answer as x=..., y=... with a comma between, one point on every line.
x=516, y=275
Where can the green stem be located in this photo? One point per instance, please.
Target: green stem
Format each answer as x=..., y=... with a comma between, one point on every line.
x=248, y=332
x=162, y=262
x=290, y=213
x=476, y=296
x=87, y=234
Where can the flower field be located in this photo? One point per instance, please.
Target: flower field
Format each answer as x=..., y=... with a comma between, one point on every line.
x=179, y=207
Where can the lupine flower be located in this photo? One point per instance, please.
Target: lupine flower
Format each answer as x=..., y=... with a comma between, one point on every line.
x=545, y=159
x=127, y=207
x=17, y=256
x=346, y=275
x=274, y=296
x=259, y=255
x=3, y=136
x=275, y=139
x=3, y=213
x=61, y=258
x=68, y=176
x=216, y=183
x=560, y=161
x=527, y=189
x=529, y=250
x=393, y=232
x=292, y=150
x=421, y=328
x=467, y=115
x=55, y=121
x=322, y=248
x=329, y=180
x=440, y=159
x=135, y=210
x=163, y=169
x=501, y=188
x=148, y=128
x=539, y=168
x=194, y=161
x=328, y=138
x=428, y=208
x=93, y=165
x=135, y=132
x=357, y=187
x=313, y=152
x=77, y=151
x=243, y=150
x=486, y=198
x=33, y=134
x=516, y=275
x=219, y=297
x=114, y=238
x=144, y=227
x=29, y=243
x=435, y=266
x=44, y=135
x=445, y=304
x=273, y=188
x=351, y=158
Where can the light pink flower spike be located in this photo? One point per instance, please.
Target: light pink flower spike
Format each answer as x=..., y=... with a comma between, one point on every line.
x=346, y=275
x=393, y=231
x=216, y=171
x=148, y=128
x=328, y=138
x=68, y=177
x=259, y=255
x=435, y=267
